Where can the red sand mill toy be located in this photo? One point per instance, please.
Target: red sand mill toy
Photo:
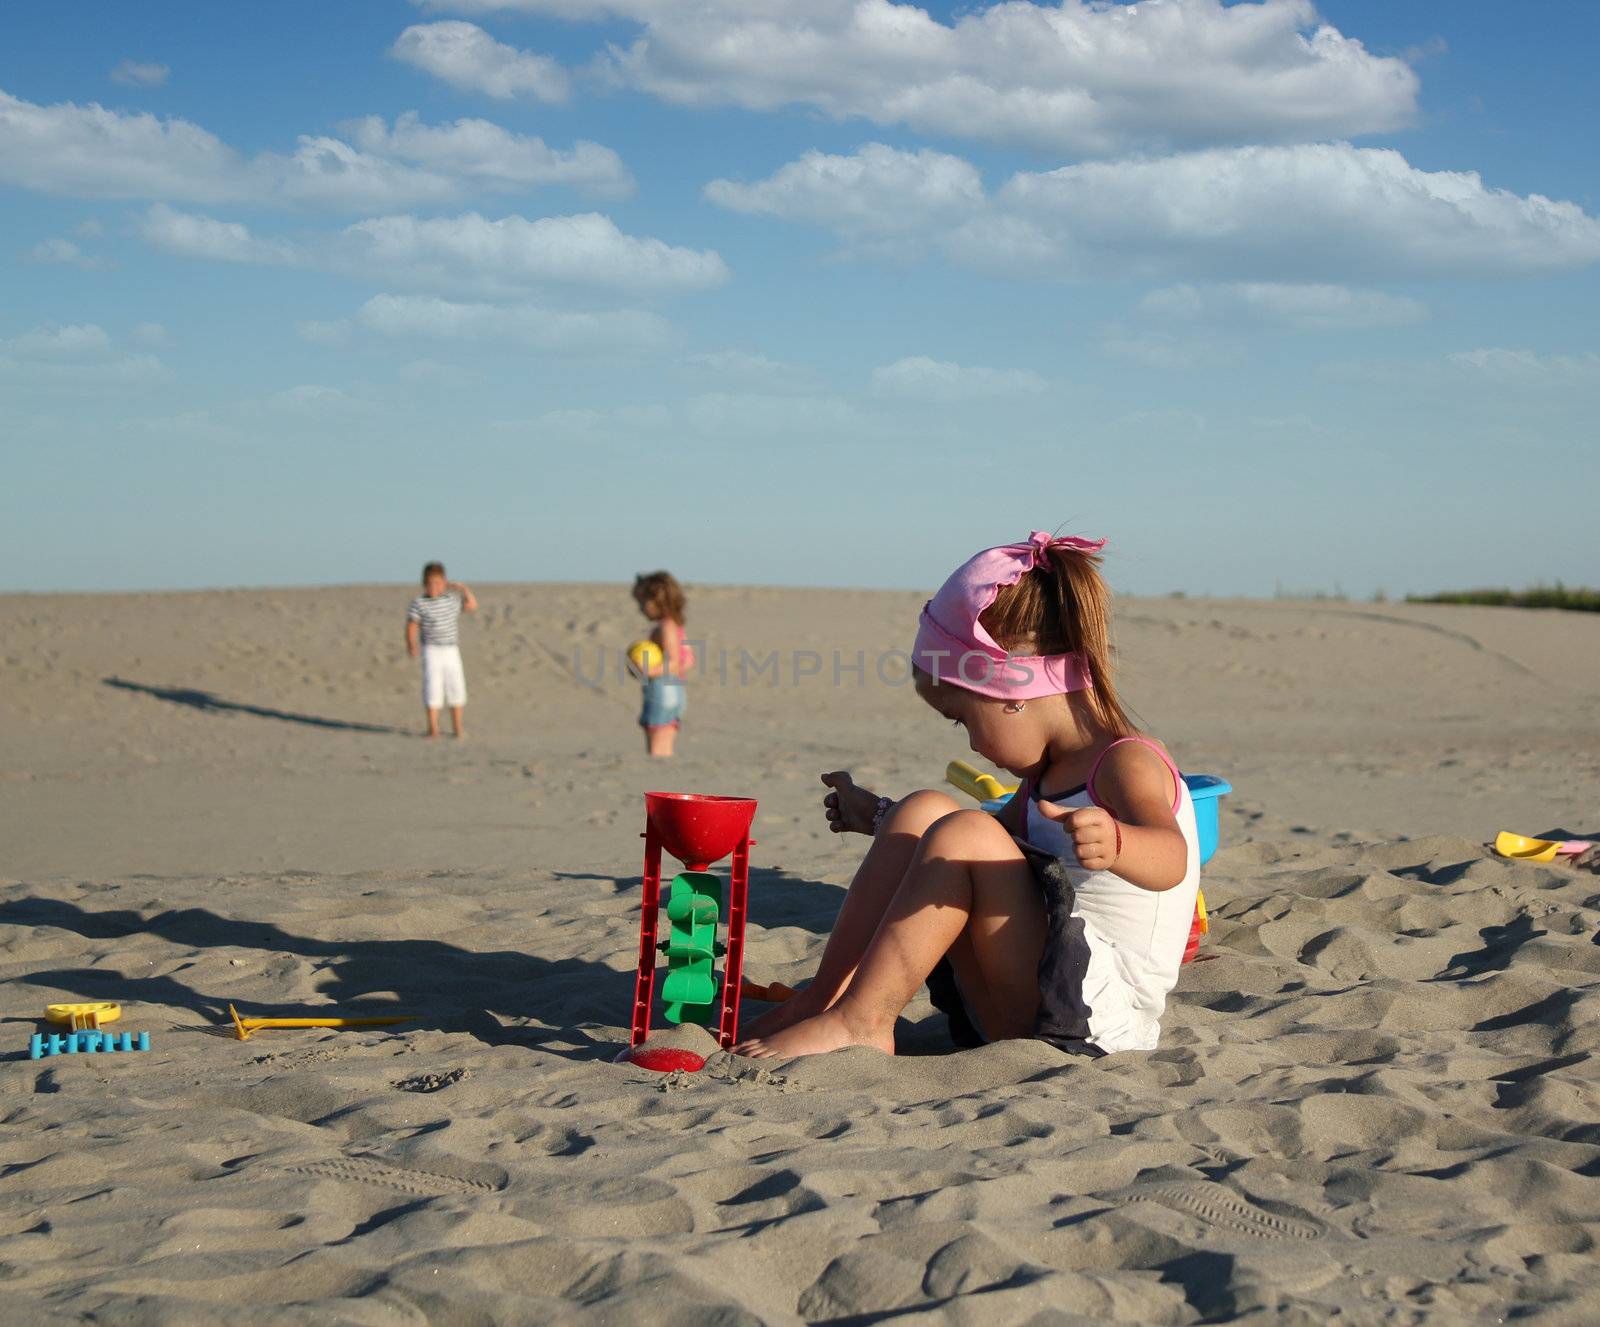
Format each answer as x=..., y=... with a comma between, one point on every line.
x=699, y=830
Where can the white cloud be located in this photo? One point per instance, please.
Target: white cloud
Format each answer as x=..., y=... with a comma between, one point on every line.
x=1281, y=214
x=1081, y=76
x=90, y=151
x=333, y=333
x=64, y=253
x=134, y=74
x=94, y=152
x=1331, y=205
x=755, y=369
x=590, y=423
x=1527, y=368
x=150, y=334
x=73, y=341
x=1168, y=423
x=437, y=373
x=743, y=416
x=196, y=425
x=468, y=254
x=873, y=198
x=117, y=371
x=189, y=235
x=329, y=172
x=467, y=57
x=919, y=378
x=73, y=355
x=553, y=330
x=1317, y=307
x=1486, y=372
x=483, y=151
x=313, y=398
x=60, y=251
x=1165, y=352
x=472, y=250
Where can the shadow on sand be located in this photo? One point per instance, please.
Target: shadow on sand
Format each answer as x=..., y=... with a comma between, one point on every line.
x=207, y=703
x=449, y=988
x=777, y=898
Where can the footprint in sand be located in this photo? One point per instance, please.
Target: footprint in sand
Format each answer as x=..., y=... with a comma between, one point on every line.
x=405, y=1179
x=1217, y=1206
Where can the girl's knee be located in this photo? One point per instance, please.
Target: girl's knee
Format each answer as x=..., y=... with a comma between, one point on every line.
x=914, y=813
x=966, y=828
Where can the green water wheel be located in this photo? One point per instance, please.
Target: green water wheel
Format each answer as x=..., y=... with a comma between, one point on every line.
x=690, y=992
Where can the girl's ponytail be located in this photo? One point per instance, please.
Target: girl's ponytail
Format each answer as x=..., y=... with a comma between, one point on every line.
x=1085, y=616
x=1065, y=609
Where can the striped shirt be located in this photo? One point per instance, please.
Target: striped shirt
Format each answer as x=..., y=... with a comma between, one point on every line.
x=439, y=618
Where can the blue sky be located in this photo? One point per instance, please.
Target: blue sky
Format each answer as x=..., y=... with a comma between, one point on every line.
x=808, y=292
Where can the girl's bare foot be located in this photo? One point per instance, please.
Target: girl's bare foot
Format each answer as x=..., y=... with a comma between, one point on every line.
x=829, y=1031
x=793, y=1010
x=849, y=809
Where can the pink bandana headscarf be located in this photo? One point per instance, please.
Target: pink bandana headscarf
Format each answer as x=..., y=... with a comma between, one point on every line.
x=953, y=647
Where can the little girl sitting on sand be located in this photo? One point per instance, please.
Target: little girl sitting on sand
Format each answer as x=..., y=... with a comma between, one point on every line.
x=1065, y=915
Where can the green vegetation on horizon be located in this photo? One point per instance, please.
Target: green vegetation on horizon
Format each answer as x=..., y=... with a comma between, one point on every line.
x=1541, y=596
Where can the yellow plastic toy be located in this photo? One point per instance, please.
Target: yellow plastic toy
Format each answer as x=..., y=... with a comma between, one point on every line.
x=90, y=1014
x=1524, y=849
x=246, y=1026
x=980, y=787
x=644, y=658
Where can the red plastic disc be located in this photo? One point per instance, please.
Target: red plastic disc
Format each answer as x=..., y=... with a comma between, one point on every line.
x=664, y=1059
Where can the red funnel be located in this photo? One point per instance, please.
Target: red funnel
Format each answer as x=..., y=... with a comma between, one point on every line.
x=696, y=828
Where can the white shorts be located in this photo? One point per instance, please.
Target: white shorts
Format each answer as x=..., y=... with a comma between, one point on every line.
x=444, y=682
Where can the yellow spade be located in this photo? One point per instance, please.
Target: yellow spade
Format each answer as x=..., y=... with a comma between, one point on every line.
x=979, y=786
x=246, y=1026
x=1525, y=849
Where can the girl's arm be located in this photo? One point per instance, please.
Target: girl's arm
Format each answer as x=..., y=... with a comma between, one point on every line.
x=1135, y=792
x=469, y=601
x=671, y=647
x=850, y=809
x=412, y=647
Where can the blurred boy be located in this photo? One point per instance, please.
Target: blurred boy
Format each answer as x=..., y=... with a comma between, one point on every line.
x=433, y=633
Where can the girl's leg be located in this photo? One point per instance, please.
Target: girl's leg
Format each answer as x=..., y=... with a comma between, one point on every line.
x=659, y=741
x=870, y=893
x=968, y=879
x=455, y=720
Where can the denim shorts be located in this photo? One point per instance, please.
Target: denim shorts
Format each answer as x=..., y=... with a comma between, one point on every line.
x=664, y=702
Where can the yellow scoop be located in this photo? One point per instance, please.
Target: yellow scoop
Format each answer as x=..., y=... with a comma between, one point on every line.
x=982, y=787
x=1525, y=849
x=245, y=1026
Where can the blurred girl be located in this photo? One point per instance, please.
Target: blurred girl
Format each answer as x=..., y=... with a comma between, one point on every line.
x=661, y=599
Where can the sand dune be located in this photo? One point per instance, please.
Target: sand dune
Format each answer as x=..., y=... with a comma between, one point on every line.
x=1375, y=1098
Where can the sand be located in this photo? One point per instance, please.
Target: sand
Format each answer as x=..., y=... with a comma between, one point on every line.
x=1375, y=1098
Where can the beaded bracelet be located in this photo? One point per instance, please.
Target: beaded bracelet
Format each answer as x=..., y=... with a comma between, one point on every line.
x=884, y=803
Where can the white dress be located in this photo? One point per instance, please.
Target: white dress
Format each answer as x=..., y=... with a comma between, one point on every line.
x=1116, y=954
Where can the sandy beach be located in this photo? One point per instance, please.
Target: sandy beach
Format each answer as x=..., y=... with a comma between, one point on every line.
x=1375, y=1100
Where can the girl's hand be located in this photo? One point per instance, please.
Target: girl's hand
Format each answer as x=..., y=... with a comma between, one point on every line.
x=849, y=809
x=1093, y=832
